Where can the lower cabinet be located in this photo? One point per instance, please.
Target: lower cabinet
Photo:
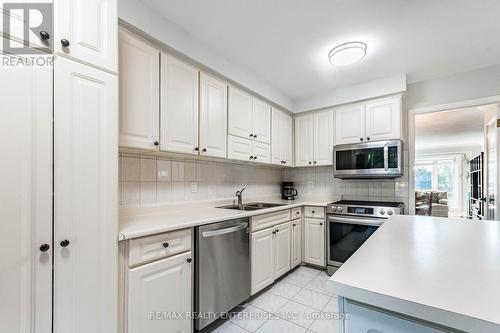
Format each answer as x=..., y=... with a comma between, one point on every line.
x=156, y=283
x=296, y=257
x=270, y=255
x=314, y=241
x=157, y=290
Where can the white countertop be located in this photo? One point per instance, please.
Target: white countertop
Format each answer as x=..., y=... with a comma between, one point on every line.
x=144, y=221
x=446, y=271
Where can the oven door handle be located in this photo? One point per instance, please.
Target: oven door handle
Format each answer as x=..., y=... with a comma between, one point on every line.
x=350, y=220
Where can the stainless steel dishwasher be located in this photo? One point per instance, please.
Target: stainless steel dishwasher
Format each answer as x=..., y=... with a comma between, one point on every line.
x=222, y=271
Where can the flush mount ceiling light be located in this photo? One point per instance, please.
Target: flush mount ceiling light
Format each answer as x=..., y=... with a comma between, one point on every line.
x=347, y=53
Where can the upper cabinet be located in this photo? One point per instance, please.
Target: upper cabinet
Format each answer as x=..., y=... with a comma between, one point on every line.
x=179, y=106
x=314, y=139
x=139, y=93
x=86, y=30
x=213, y=116
x=249, y=117
x=282, y=142
x=372, y=121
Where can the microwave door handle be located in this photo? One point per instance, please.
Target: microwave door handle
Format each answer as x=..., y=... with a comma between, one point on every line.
x=386, y=158
x=295, y=192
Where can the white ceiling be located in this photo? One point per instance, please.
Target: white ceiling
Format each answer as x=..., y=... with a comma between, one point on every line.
x=458, y=128
x=286, y=42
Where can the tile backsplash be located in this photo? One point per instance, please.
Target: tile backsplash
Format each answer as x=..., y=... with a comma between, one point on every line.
x=148, y=180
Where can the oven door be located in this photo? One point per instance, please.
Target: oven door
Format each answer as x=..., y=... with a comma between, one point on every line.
x=346, y=234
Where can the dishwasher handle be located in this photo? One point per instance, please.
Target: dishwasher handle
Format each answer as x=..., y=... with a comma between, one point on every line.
x=218, y=232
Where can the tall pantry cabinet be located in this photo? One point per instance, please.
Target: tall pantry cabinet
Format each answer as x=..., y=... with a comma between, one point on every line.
x=59, y=191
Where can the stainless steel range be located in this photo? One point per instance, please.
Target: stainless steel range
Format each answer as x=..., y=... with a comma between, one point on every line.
x=351, y=223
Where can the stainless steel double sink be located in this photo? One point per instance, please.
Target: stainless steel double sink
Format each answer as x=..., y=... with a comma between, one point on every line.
x=252, y=206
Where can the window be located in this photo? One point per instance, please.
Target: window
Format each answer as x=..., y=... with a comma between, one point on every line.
x=440, y=173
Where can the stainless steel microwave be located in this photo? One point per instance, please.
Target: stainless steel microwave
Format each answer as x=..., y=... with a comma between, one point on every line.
x=378, y=159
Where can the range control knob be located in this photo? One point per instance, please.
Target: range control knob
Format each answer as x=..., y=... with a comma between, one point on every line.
x=334, y=208
x=390, y=212
x=382, y=212
x=339, y=209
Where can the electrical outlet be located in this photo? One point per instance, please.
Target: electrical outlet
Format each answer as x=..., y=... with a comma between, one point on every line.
x=194, y=187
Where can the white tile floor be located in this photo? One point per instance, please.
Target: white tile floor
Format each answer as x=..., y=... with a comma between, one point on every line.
x=300, y=302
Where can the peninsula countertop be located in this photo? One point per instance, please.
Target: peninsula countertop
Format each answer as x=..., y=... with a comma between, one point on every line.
x=144, y=221
x=445, y=271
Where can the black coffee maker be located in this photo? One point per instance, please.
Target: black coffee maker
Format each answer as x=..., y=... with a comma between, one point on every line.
x=288, y=192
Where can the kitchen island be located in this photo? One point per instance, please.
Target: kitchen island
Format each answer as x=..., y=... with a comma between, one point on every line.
x=423, y=274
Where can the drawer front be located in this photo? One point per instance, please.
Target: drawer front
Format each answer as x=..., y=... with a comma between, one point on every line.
x=264, y=221
x=314, y=212
x=296, y=213
x=151, y=248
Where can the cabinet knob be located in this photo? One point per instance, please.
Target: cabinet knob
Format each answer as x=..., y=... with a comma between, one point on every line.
x=321, y=223
x=251, y=135
x=64, y=42
x=360, y=139
x=44, y=35
x=314, y=162
x=251, y=157
x=255, y=157
x=156, y=143
x=294, y=225
x=204, y=150
x=196, y=148
x=255, y=136
x=309, y=162
x=368, y=138
x=313, y=211
x=284, y=162
x=189, y=260
x=44, y=247
x=64, y=243
x=165, y=245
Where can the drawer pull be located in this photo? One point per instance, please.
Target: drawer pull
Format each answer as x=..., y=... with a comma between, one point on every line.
x=313, y=212
x=165, y=245
x=189, y=260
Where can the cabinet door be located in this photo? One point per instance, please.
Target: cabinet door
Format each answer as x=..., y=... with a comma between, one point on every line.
x=262, y=259
x=277, y=137
x=383, y=119
x=287, y=142
x=282, y=249
x=261, y=152
x=90, y=27
x=240, y=109
x=179, y=106
x=314, y=242
x=163, y=286
x=85, y=198
x=350, y=124
x=261, y=120
x=296, y=258
x=304, y=140
x=213, y=116
x=139, y=93
x=26, y=199
x=239, y=148
x=323, y=138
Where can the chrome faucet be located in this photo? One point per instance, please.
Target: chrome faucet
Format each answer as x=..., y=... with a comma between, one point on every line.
x=238, y=195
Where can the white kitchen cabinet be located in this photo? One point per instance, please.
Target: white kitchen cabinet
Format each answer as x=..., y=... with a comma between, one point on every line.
x=262, y=260
x=26, y=199
x=213, y=116
x=85, y=198
x=248, y=116
x=350, y=124
x=314, y=139
x=314, y=241
x=282, y=138
x=179, y=106
x=282, y=249
x=296, y=255
x=162, y=286
x=90, y=28
x=248, y=150
x=383, y=119
x=304, y=140
x=261, y=121
x=323, y=138
x=371, y=121
x=240, y=113
x=139, y=92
